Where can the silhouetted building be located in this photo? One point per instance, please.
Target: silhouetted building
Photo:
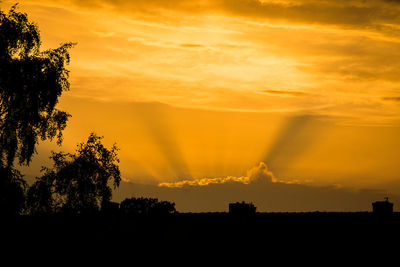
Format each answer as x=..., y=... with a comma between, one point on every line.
x=242, y=208
x=382, y=207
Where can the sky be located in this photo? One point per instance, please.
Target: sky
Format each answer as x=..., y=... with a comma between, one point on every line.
x=200, y=94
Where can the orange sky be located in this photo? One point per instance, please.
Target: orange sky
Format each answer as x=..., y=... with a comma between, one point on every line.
x=211, y=88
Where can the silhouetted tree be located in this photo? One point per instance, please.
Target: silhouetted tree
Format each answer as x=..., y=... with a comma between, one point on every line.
x=31, y=81
x=77, y=183
x=12, y=193
x=146, y=206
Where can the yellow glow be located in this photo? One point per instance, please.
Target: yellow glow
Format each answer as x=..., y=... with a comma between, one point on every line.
x=193, y=89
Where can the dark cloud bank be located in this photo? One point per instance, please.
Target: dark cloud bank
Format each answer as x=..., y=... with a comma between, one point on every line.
x=352, y=12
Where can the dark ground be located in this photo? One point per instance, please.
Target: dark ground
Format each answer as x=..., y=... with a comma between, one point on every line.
x=316, y=233
x=221, y=228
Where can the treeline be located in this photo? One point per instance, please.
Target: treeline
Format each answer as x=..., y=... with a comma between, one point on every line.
x=31, y=83
x=146, y=206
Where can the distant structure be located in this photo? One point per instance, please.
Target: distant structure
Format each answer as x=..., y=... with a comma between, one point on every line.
x=242, y=208
x=382, y=207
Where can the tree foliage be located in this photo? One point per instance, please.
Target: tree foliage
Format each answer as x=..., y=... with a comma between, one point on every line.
x=77, y=183
x=146, y=206
x=12, y=191
x=31, y=81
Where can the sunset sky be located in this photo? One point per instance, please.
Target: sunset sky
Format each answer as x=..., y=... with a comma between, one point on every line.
x=197, y=93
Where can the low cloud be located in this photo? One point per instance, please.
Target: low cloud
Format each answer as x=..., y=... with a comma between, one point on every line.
x=257, y=174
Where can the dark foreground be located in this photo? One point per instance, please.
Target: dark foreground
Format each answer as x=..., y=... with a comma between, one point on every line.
x=205, y=232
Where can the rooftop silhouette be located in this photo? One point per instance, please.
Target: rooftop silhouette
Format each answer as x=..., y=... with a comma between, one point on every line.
x=382, y=207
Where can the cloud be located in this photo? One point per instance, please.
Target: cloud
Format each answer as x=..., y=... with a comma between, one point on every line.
x=102, y=34
x=205, y=182
x=285, y=93
x=356, y=13
x=257, y=174
x=392, y=98
x=227, y=56
x=260, y=173
x=192, y=45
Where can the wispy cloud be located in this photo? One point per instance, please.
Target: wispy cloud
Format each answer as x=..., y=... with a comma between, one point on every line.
x=232, y=54
x=102, y=34
x=285, y=93
x=392, y=98
x=192, y=45
x=355, y=12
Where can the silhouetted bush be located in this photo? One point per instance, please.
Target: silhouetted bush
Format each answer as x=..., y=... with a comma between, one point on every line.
x=242, y=208
x=78, y=183
x=146, y=206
